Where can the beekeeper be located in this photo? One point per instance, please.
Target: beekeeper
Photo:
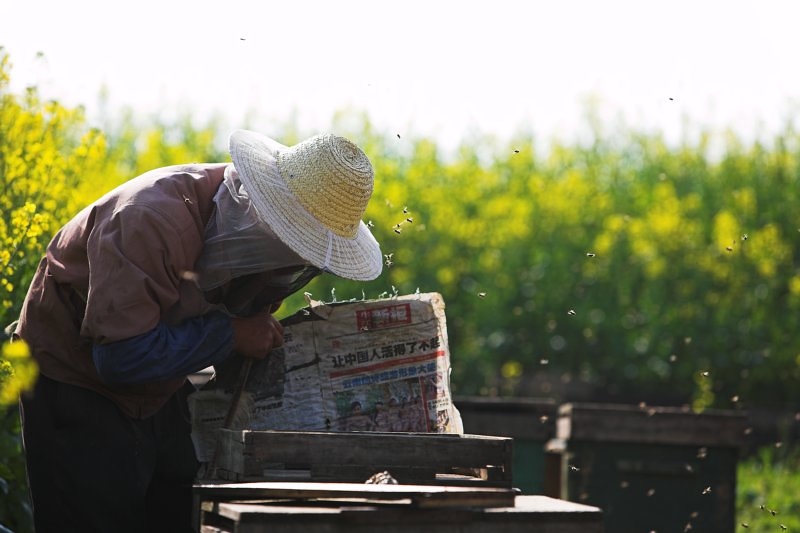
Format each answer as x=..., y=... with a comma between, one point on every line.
x=165, y=275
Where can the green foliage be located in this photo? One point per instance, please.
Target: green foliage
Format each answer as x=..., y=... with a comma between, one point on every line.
x=626, y=264
x=767, y=494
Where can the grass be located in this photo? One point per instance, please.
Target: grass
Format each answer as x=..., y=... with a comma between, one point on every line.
x=768, y=494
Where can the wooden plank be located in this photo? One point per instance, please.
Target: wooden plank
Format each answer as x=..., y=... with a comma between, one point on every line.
x=327, y=455
x=529, y=513
x=423, y=496
x=520, y=418
x=650, y=425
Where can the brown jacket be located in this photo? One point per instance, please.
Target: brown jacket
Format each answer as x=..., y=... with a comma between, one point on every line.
x=114, y=271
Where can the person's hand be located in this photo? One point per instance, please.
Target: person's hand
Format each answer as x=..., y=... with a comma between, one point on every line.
x=254, y=336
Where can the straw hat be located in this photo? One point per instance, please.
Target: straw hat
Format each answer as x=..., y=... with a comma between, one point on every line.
x=312, y=195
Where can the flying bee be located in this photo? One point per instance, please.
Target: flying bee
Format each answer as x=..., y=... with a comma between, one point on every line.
x=571, y=312
x=397, y=230
x=370, y=224
x=405, y=210
x=409, y=220
x=481, y=295
x=706, y=490
x=590, y=254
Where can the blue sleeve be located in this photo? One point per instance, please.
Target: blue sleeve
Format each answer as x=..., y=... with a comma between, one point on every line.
x=166, y=351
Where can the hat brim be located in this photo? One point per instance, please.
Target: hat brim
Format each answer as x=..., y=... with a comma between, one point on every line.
x=254, y=157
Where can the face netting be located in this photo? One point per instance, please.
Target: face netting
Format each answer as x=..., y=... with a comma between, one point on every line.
x=238, y=244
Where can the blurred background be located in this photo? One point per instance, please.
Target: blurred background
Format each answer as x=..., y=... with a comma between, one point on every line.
x=603, y=192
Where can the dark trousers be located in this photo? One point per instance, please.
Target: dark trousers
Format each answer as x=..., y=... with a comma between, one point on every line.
x=92, y=468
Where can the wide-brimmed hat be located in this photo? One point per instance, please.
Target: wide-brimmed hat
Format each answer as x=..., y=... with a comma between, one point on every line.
x=313, y=196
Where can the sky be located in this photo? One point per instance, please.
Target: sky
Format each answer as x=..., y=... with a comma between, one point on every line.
x=441, y=69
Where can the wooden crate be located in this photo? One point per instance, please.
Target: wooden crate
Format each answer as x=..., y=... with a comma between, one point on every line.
x=651, y=468
x=338, y=507
x=411, y=458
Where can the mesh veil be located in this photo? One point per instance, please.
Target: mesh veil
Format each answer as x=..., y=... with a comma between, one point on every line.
x=237, y=243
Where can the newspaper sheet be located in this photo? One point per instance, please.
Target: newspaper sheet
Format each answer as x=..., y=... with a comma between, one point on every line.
x=372, y=365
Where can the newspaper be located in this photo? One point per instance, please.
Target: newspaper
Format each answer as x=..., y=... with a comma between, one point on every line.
x=371, y=365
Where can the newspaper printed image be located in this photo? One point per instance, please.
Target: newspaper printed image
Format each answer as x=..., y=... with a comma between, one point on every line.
x=373, y=365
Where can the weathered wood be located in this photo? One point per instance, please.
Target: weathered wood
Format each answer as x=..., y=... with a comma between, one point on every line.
x=354, y=456
x=528, y=513
x=423, y=496
x=650, y=425
x=520, y=418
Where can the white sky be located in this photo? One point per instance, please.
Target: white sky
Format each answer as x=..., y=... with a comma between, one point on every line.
x=436, y=68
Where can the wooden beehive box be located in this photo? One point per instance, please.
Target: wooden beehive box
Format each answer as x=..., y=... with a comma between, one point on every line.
x=410, y=458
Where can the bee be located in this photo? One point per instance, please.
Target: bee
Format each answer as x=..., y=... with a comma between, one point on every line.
x=650, y=492
x=543, y=419
x=397, y=230
x=745, y=237
x=370, y=224
x=389, y=261
x=544, y=361
x=704, y=373
x=574, y=468
x=398, y=135
x=706, y=490
x=189, y=275
x=745, y=525
x=405, y=210
x=590, y=254
x=516, y=151
x=409, y=220
x=481, y=295
x=571, y=312
x=702, y=453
